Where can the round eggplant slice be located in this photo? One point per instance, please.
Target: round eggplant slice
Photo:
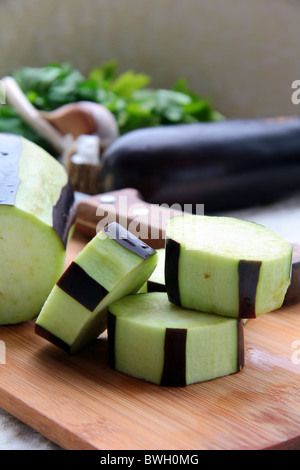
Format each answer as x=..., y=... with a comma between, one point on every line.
x=36, y=220
x=154, y=340
x=226, y=266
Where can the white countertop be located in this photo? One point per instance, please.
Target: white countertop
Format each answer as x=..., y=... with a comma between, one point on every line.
x=282, y=218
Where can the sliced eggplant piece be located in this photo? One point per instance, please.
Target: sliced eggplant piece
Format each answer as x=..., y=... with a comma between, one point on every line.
x=156, y=282
x=154, y=340
x=226, y=266
x=113, y=264
x=293, y=293
x=36, y=217
x=224, y=165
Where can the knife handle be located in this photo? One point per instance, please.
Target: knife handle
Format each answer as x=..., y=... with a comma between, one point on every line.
x=146, y=221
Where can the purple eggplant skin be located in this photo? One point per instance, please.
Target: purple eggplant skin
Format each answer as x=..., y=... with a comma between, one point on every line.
x=228, y=164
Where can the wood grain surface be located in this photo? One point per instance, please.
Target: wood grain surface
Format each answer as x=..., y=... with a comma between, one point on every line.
x=80, y=403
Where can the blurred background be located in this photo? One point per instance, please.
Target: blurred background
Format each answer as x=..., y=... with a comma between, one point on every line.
x=244, y=54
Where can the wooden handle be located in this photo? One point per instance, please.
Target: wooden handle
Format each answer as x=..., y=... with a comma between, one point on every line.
x=146, y=221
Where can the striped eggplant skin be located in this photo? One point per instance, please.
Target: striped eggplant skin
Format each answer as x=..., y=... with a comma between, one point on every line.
x=78, y=285
x=64, y=213
x=34, y=181
x=37, y=216
x=171, y=270
x=114, y=264
x=224, y=165
x=248, y=282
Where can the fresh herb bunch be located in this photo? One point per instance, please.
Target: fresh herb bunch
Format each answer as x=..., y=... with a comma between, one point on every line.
x=127, y=95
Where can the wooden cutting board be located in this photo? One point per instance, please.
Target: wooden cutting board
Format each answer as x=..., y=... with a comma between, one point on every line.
x=80, y=403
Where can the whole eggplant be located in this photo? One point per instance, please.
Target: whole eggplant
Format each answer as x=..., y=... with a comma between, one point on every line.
x=224, y=165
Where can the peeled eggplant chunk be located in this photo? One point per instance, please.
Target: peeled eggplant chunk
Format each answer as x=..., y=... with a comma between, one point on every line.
x=156, y=282
x=36, y=217
x=226, y=266
x=224, y=165
x=293, y=293
x=154, y=340
x=113, y=264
